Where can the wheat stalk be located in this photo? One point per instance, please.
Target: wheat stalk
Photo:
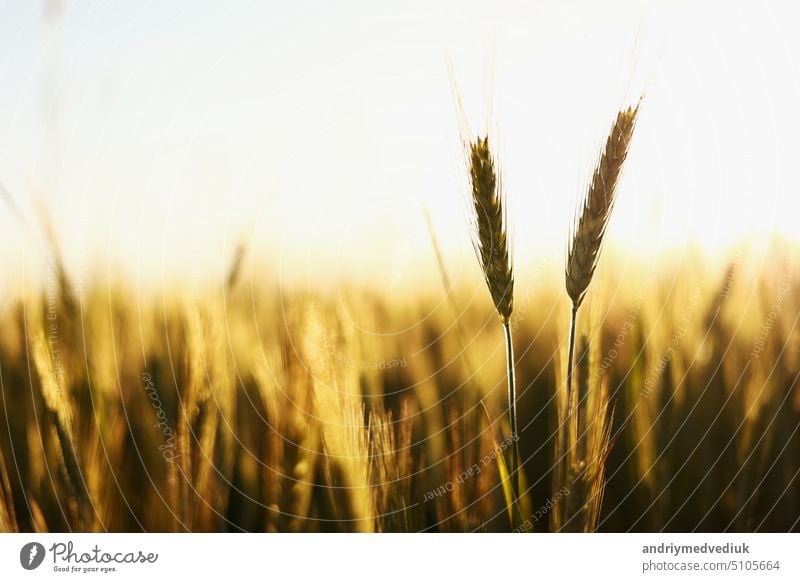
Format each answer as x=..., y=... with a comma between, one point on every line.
x=589, y=445
x=588, y=233
x=490, y=240
x=8, y=517
x=285, y=387
x=59, y=406
x=339, y=405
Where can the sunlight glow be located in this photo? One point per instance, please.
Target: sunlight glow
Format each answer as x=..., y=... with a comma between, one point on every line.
x=316, y=132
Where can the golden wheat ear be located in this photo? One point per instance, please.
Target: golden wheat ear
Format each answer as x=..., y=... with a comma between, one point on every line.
x=588, y=233
x=489, y=226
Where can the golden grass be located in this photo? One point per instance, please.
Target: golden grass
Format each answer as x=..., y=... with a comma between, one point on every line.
x=267, y=413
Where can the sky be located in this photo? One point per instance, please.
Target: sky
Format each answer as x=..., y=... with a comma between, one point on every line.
x=159, y=135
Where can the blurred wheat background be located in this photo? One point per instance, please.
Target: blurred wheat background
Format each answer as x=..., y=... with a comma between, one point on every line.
x=255, y=408
x=238, y=291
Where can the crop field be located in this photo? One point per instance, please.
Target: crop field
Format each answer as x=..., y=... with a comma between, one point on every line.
x=259, y=409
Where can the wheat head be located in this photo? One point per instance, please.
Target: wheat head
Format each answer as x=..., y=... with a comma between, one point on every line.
x=587, y=237
x=489, y=226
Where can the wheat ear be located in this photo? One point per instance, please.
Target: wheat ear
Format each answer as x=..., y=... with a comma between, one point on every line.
x=587, y=238
x=489, y=228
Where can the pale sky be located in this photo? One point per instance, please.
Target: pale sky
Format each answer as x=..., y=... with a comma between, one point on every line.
x=159, y=134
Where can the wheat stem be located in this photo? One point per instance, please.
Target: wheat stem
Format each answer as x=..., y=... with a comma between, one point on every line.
x=512, y=411
x=572, y=407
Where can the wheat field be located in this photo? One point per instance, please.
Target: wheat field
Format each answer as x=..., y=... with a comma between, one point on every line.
x=257, y=408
